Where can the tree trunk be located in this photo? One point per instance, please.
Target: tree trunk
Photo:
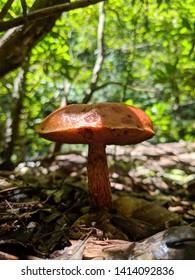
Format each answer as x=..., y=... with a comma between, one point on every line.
x=100, y=55
x=13, y=119
x=16, y=44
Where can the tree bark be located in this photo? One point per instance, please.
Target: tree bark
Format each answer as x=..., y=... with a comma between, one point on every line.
x=18, y=42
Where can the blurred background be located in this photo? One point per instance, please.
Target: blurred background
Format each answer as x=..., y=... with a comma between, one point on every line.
x=141, y=53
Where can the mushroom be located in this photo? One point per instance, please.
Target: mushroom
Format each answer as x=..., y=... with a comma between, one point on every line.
x=97, y=125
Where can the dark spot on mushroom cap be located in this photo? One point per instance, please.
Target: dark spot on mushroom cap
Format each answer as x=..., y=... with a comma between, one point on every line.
x=127, y=119
x=87, y=133
x=117, y=109
x=125, y=132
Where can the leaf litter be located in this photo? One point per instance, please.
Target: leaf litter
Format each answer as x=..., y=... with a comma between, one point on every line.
x=45, y=209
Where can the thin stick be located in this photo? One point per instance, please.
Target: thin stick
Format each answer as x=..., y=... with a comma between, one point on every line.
x=46, y=12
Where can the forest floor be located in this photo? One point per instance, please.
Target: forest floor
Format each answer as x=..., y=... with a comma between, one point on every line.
x=45, y=209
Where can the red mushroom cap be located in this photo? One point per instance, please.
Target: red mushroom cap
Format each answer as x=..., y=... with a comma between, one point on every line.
x=103, y=123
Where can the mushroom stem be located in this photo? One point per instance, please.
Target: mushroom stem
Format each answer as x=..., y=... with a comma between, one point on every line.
x=98, y=177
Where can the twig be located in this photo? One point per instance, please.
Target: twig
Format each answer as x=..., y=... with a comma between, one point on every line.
x=5, y=8
x=24, y=8
x=127, y=86
x=13, y=212
x=46, y=12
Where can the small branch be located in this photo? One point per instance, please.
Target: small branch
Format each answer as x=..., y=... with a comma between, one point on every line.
x=46, y=12
x=100, y=55
x=5, y=8
x=67, y=87
x=24, y=8
x=14, y=213
x=125, y=85
x=55, y=147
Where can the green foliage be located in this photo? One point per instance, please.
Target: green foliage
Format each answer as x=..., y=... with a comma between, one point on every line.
x=148, y=62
